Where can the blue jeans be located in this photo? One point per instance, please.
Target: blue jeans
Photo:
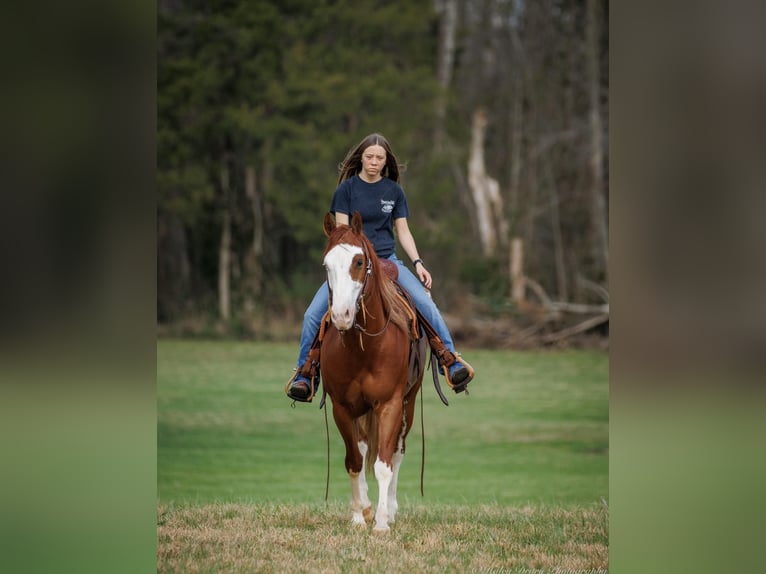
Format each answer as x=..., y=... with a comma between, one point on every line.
x=318, y=307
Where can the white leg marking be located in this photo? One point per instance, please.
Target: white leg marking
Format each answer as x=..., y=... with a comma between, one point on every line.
x=360, y=502
x=384, y=473
x=356, y=500
x=366, y=504
x=393, y=505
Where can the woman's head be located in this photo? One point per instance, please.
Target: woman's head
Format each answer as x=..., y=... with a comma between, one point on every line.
x=352, y=164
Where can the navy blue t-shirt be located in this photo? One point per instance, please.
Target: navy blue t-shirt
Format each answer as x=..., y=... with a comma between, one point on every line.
x=378, y=203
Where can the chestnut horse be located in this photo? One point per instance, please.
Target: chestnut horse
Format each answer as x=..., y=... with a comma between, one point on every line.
x=366, y=367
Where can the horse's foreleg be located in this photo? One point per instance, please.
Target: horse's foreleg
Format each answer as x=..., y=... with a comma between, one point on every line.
x=398, y=457
x=387, y=463
x=383, y=473
x=360, y=503
x=361, y=507
x=393, y=505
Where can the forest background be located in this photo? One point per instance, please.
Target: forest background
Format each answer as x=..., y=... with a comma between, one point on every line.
x=497, y=108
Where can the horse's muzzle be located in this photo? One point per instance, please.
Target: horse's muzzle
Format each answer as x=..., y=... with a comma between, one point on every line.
x=343, y=319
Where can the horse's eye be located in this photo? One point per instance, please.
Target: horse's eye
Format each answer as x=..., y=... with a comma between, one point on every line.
x=358, y=263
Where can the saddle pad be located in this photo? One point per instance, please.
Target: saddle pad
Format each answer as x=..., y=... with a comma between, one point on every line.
x=389, y=268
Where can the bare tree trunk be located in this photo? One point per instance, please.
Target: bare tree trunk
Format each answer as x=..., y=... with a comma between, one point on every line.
x=173, y=267
x=517, y=127
x=252, y=193
x=462, y=186
x=598, y=203
x=530, y=208
x=447, y=26
x=254, y=263
x=558, y=241
x=485, y=189
x=518, y=285
x=224, y=254
x=516, y=133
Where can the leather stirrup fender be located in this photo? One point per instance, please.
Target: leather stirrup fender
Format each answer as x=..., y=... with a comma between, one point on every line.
x=311, y=368
x=445, y=357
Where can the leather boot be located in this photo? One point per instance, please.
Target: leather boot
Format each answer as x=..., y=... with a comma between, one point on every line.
x=457, y=371
x=304, y=383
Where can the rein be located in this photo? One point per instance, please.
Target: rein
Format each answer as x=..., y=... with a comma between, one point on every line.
x=327, y=436
x=422, y=444
x=365, y=331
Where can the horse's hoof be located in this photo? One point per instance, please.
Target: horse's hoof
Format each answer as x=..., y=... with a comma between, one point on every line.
x=381, y=531
x=368, y=514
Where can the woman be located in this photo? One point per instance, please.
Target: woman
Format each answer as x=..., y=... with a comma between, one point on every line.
x=368, y=183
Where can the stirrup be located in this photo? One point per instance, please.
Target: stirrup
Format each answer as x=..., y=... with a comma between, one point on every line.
x=462, y=386
x=313, y=385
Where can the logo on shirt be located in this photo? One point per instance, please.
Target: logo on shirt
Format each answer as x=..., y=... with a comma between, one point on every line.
x=387, y=205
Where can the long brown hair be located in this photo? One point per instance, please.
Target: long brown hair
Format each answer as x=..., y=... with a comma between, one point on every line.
x=352, y=163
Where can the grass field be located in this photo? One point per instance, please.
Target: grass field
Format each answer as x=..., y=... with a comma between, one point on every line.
x=516, y=473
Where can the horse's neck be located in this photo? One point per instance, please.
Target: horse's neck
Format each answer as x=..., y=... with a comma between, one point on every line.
x=371, y=314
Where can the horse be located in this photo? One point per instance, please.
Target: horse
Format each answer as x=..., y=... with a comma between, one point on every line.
x=367, y=367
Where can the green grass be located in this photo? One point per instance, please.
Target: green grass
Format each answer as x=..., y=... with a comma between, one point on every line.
x=425, y=538
x=533, y=430
x=516, y=473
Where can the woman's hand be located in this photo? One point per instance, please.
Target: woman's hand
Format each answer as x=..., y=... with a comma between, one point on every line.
x=408, y=243
x=423, y=274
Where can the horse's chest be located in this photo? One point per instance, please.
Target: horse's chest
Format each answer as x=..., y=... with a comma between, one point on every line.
x=359, y=392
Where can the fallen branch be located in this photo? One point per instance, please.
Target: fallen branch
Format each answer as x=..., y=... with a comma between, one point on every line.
x=548, y=311
x=600, y=290
x=580, y=327
x=580, y=308
x=529, y=331
x=539, y=291
x=558, y=306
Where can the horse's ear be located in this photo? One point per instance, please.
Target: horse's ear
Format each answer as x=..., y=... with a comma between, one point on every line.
x=329, y=224
x=356, y=222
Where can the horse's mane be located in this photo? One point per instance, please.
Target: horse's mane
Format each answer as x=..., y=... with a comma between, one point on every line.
x=392, y=305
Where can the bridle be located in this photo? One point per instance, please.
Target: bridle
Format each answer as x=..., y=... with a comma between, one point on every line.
x=359, y=304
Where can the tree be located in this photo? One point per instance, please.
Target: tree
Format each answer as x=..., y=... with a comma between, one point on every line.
x=598, y=203
x=278, y=91
x=497, y=108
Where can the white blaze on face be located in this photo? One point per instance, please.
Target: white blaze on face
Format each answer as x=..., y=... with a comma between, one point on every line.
x=345, y=277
